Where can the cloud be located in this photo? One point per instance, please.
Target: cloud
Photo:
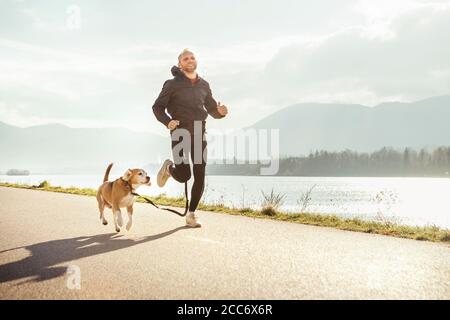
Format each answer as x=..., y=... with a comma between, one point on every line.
x=409, y=61
x=72, y=79
x=113, y=69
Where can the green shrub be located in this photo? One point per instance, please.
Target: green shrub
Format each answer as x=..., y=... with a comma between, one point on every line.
x=44, y=184
x=268, y=211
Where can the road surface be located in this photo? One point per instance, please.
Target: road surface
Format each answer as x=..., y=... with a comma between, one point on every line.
x=53, y=246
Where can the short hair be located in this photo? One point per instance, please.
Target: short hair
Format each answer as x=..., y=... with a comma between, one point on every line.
x=185, y=51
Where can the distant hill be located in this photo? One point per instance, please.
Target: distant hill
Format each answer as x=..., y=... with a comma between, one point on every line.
x=314, y=126
x=56, y=148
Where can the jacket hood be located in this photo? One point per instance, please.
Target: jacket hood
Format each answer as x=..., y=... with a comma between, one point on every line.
x=176, y=72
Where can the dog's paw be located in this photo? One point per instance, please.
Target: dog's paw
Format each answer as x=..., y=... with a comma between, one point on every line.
x=128, y=226
x=117, y=229
x=105, y=222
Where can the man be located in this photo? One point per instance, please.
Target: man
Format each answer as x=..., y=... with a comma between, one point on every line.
x=188, y=100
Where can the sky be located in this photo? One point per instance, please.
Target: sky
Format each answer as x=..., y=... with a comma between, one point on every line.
x=102, y=63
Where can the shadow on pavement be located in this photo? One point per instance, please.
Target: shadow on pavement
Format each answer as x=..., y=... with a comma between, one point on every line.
x=45, y=255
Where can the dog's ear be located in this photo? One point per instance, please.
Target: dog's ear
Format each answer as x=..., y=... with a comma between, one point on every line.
x=127, y=175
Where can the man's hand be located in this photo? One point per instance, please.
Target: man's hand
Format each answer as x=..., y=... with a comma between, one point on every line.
x=173, y=124
x=222, y=109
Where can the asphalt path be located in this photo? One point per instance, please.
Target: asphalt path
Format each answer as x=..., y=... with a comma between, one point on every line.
x=53, y=246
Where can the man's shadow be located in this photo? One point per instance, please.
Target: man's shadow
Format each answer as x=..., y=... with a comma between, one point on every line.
x=45, y=255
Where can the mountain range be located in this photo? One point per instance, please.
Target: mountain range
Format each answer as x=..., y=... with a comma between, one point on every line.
x=308, y=127
x=304, y=128
x=56, y=148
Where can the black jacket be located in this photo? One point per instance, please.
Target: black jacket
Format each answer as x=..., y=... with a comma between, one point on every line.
x=184, y=101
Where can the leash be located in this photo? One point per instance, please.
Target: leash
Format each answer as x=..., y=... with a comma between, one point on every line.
x=168, y=209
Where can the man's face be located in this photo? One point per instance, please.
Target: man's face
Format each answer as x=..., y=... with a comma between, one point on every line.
x=188, y=62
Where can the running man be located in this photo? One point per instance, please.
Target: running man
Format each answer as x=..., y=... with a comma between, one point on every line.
x=183, y=106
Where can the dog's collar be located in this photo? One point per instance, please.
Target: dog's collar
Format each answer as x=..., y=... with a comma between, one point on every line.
x=127, y=184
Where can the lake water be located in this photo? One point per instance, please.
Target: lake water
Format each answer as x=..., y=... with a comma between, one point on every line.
x=413, y=201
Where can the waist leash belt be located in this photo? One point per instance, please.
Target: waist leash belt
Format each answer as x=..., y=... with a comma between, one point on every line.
x=168, y=209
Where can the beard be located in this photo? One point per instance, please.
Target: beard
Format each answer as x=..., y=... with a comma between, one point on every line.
x=190, y=68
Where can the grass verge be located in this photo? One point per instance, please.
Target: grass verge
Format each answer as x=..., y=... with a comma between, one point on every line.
x=428, y=233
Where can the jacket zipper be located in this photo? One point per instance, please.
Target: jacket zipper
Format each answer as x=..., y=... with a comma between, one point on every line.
x=193, y=95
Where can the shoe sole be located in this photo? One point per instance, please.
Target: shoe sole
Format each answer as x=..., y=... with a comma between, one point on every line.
x=162, y=177
x=196, y=226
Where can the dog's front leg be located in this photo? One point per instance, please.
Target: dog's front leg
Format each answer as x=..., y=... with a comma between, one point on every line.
x=117, y=217
x=130, y=217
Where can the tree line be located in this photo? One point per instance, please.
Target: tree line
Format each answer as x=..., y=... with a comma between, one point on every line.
x=384, y=162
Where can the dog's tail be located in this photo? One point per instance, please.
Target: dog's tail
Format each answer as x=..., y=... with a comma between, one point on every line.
x=107, y=172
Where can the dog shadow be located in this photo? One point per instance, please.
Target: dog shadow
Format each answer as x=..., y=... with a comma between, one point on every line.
x=44, y=256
